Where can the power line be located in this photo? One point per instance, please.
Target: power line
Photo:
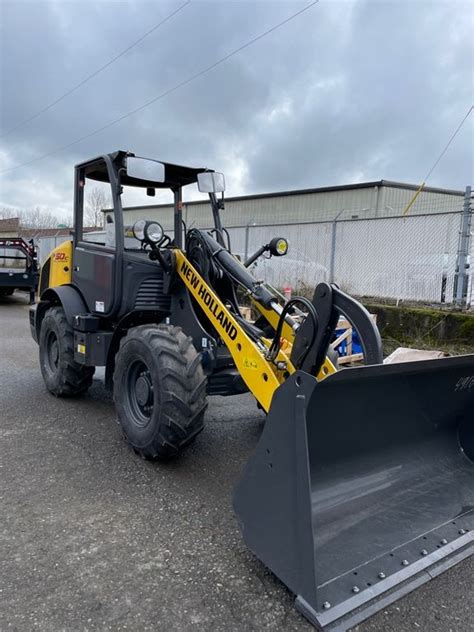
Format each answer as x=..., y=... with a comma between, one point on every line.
x=193, y=77
x=436, y=162
x=455, y=133
x=95, y=73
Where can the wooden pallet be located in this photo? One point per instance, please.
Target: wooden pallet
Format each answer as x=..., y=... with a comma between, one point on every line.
x=246, y=312
x=346, y=335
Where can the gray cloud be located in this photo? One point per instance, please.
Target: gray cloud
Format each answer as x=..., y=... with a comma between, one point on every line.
x=349, y=91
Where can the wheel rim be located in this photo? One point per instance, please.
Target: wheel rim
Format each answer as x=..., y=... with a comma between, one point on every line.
x=139, y=393
x=52, y=352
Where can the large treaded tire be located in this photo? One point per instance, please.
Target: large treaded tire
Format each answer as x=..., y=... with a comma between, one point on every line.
x=63, y=376
x=159, y=390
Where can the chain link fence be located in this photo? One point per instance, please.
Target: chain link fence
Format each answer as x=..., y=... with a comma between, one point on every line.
x=409, y=258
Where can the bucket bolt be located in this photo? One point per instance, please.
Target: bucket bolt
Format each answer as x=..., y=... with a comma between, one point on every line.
x=444, y=541
x=326, y=605
x=355, y=589
x=381, y=575
x=462, y=531
x=405, y=562
x=424, y=552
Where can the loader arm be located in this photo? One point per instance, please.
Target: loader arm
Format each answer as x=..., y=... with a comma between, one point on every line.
x=263, y=364
x=261, y=375
x=306, y=344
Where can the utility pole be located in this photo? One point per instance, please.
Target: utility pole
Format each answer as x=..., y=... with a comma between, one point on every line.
x=461, y=280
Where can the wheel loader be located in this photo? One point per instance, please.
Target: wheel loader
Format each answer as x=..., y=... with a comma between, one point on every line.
x=361, y=486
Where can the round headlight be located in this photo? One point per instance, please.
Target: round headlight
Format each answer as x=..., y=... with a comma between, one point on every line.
x=153, y=232
x=278, y=246
x=139, y=229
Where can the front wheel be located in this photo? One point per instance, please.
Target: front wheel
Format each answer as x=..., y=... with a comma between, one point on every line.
x=159, y=390
x=63, y=376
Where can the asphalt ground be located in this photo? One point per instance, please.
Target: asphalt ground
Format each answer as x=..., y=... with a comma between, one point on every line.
x=94, y=538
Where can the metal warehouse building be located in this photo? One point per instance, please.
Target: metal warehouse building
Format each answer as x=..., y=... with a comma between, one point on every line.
x=352, y=201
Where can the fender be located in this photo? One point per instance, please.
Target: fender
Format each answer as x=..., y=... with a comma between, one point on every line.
x=67, y=296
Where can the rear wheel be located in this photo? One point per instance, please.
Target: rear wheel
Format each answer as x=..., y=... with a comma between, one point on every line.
x=159, y=390
x=62, y=375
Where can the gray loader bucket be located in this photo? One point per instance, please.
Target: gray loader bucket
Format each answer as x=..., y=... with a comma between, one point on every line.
x=361, y=487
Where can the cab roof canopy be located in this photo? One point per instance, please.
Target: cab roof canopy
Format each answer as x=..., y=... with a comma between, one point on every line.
x=176, y=176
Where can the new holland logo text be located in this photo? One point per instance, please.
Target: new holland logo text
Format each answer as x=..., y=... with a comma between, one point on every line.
x=209, y=301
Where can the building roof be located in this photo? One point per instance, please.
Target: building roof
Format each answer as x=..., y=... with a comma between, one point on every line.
x=9, y=225
x=35, y=233
x=342, y=187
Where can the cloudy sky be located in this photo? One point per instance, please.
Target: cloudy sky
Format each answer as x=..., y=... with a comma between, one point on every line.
x=345, y=92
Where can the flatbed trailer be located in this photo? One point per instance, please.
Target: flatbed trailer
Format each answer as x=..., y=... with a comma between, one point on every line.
x=13, y=277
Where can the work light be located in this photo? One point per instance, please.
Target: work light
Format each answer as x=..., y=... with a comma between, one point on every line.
x=139, y=229
x=153, y=232
x=278, y=246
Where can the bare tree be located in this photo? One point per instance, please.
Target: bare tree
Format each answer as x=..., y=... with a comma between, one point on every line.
x=8, y=213
x=30, y=218
x=37, y=218
x=97, y=200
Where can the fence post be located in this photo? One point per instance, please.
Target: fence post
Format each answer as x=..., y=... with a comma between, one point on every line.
x=332, y=261
x=462, y=260
x=247, y=238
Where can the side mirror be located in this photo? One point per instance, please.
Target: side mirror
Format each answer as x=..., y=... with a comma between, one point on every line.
x=211, y=182
x=145, y=169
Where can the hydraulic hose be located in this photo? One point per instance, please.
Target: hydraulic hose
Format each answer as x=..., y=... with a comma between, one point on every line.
x=275, y=346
